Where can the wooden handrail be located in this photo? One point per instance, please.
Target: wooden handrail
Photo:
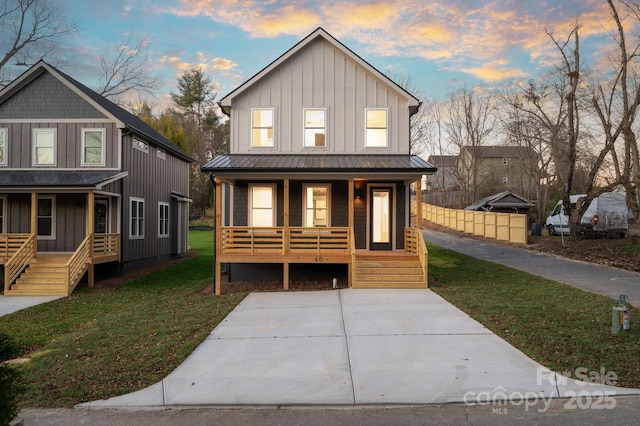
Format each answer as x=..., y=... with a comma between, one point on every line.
x=105, y=245
x=414, y=243
x=77, y=264
x=20, y=260
x=9, y=244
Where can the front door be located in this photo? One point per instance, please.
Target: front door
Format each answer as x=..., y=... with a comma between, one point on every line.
x=101, y=216
x=380, y=211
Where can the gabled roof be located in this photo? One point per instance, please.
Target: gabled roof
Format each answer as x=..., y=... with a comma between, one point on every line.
x=501, y=200
x=122, y=117
x=443, y=160
x=279, y=164
x=499, y=151
x=225, y=102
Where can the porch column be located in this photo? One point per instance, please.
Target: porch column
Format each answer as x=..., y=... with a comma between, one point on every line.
x=218, y=236
x=34, y=221
x=285, y=242
x=90, y=221
x=419, y=203
x=350, y=221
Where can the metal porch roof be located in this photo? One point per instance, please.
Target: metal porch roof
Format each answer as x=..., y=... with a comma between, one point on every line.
x=60, y=178
x=333, y=163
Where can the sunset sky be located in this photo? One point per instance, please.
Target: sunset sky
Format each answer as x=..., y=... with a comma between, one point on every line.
x=440, y=44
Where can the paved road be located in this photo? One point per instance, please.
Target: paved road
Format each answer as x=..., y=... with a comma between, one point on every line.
x=610, y=282
x=566, y=412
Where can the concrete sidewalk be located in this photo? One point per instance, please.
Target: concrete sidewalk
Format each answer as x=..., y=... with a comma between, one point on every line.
x=610, y=282
x=10, y=304
x=351, y=347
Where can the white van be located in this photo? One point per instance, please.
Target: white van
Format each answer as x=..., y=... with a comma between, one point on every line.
x=607, y=213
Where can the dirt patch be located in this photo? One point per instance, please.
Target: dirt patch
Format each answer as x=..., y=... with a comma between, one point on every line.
x=272, y=286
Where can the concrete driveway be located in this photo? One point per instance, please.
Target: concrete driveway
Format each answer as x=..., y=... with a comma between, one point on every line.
x=351, y=347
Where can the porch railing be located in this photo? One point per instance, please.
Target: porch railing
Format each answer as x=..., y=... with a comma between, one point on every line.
x=19, y=261
x=105, y=247
x=77, y=264
x=414, y=243
x=280, y=240
x=9, y=244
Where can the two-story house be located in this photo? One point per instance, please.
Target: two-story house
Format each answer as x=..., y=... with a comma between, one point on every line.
x=82, y=183
x=319, y=172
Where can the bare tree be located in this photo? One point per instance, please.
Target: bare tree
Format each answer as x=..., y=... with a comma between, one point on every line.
x=127, y=67
x=29, y=30
x=469, y=125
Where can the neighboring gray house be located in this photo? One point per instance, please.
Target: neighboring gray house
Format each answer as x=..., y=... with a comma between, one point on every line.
x=319, y=172
x=82, y=182
x=445, y=179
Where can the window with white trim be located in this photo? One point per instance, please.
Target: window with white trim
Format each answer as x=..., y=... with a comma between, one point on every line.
x=262, y=205
x=93, y=147
x=46, y=218
x=315, y=127
x=3, y=202
x=376, y=132
x=140, y=145
x=163, y=219
x=44, y=147
x=161, y=154
x=3, y=147
x=262, y=128
x=505, y=180
x=136, y=213
x=316, y=200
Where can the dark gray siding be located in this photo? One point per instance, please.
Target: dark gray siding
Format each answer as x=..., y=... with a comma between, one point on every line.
x=68, y=143
x=153, y=180
x=46, y=97
x=18, y=213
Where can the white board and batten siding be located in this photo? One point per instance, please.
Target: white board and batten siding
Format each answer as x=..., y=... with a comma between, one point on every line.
x=321, y=76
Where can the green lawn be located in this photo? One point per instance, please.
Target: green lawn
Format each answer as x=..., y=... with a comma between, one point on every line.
x=95, y=345
x=559, y=326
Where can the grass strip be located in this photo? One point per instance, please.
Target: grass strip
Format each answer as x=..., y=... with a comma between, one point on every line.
x=94, y=345
x=559, y=326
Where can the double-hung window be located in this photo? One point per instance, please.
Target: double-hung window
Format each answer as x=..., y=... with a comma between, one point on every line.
x=163, y=219
x=93, y=147
x=136, y=229
x=316, y=205
x=44, y=147
x=262, y=205
x=315, y=127
x=262, y=128
x=376, y=132
x=3, y=147
x=46, y=218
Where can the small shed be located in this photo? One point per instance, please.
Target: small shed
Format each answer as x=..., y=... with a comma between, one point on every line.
x=502, y=202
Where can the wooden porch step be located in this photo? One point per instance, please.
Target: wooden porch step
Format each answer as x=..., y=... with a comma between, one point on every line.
x=30, y=292
x=389, y=270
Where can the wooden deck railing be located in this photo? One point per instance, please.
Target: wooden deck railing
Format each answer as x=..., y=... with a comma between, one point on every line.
x=77, y=264
x=414, y=243
x=105, y=247
x=19, y=261
x=9, y=244
x=280, y=240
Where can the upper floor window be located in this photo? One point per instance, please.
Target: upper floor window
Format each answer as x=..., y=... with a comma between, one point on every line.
x=3, y=147
x=376, y=128
x=262, y=128
x=163, y=219
x=44, y=147
x=314, y=127
x=136, y=229
x=93, y=147
x=46, y=218
x=505, y=161
x=316, y=205
x=505, y=180
x=140, y=145
x=161, y=154
x=262, y=205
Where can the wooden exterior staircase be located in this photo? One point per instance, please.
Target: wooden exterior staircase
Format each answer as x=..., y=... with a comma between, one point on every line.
x=45, y=276
x=388, y=270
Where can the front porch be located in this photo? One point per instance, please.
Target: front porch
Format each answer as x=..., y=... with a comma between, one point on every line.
x=28, y=272
x=288, y=245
